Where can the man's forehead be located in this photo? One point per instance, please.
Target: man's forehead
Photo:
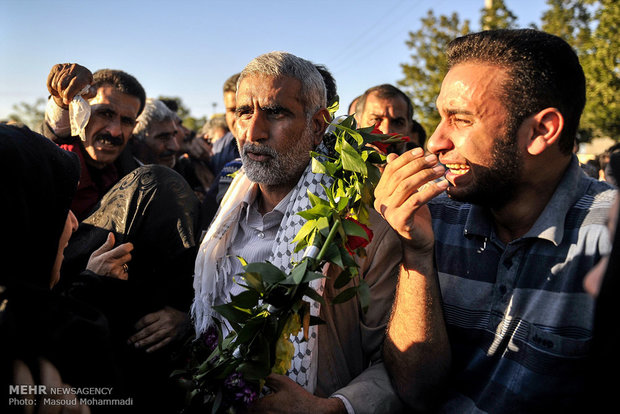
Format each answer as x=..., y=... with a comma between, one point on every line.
x=108, y=95
x=375, y=102
x=166, y=126
x=268, y=89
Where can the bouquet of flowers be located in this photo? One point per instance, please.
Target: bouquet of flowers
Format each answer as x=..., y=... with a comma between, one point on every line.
x=226, y=373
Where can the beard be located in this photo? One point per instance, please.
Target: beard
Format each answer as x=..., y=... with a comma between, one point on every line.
x=281, y=168
x=495, y=185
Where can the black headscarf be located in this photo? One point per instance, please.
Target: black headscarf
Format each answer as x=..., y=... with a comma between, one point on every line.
x=38, y=181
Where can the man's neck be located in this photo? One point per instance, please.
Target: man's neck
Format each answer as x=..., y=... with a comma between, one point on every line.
x=268, y=197
x=517, y=217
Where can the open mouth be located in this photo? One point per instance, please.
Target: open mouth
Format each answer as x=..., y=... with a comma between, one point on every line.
x=458, y=169
x=109, y=141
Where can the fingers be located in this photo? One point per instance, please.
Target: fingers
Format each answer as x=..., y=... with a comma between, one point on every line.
x=158, y=329
x=408, y=175
x=109, y=261
x=66, y=80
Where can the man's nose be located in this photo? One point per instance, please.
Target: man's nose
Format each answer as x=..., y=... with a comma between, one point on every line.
x=256, y=128
x=114, y=127
x=172, y=144
x=439, y=141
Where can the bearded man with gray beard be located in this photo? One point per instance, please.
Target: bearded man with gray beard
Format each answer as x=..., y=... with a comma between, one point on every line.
x=280, y=118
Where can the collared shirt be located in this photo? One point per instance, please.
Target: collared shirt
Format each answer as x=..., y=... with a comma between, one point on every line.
x=518, y=318
x=254, y=243
x=256, y=233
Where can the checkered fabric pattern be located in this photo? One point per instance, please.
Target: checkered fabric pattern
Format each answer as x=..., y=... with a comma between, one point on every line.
x=212, y=279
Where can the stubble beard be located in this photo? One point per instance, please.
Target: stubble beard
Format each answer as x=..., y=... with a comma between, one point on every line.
x=283, y=168
x=496, y=185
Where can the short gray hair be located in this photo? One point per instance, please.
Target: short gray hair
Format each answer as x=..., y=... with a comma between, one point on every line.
x=154, y=111
x=278, y=64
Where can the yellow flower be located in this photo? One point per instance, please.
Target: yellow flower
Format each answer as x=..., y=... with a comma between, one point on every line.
x=284, y=348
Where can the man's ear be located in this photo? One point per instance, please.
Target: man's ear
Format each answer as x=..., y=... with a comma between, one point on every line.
x=319, y=123
x=544, y=129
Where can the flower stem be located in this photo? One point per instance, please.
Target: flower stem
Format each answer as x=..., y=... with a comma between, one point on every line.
x=328, y=240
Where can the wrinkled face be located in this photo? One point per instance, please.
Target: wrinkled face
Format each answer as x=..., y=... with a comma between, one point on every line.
x=390, y=114
x=113, y=117
x=71, y=225
x=481, y=155
x=273, y=133
x=230, y=103
x=161, y=144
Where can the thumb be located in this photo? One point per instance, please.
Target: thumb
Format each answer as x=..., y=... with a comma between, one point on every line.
x=106, y=246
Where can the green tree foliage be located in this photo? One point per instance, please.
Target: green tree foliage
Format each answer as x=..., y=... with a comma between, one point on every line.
x=424, y=74
x=601, y=65
x=497, y=16
x=31, y=115
x=590, y=26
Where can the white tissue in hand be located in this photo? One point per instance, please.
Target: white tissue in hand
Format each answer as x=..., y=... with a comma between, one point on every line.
x=79, y=114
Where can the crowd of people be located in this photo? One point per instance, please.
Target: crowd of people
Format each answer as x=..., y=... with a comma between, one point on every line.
x=490, y=273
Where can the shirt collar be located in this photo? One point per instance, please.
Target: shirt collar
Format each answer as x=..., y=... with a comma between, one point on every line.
x=550, y=223
x=250, y=200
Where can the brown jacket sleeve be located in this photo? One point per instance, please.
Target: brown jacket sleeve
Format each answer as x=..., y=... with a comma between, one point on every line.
x=350, y=342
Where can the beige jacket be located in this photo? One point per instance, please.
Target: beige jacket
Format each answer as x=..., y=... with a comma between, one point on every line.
x=350, y=342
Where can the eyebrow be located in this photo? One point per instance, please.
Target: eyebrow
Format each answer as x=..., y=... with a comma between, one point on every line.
x=459, y=112
x=270, y=109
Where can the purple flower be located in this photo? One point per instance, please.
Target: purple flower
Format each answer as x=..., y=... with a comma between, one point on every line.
x=210, y=337
x=234, y=380
x=247, y=396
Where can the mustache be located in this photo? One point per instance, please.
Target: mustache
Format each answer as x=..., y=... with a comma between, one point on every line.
x=259, y=149
x=109, y=139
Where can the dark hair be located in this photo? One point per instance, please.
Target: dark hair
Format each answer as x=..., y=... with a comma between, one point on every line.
x=416, y=127
x=170, y=103
x=543, y=71
x=231, y=83
x=385, y=91
x=122, y=82
x=330, y=84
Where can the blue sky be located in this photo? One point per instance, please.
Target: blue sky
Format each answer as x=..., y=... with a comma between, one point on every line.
x=189, y=48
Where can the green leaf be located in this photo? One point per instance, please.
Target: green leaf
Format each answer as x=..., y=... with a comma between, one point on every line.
x=343, y=278
x=299, y=271
x=305, y=230
x=333, y=255
x=250, y=329
x=309, y=276
x=322, y=225
x=320, y=210
x=254, y=281
x=345, y=295
x=351, y=160
x=269, y=273
x=217, y=402
x=232, y=313
x=351, y=228
x=316, y=200
x=246, y=299
x=318, y=167
x=364, y=295
x=312, y=294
